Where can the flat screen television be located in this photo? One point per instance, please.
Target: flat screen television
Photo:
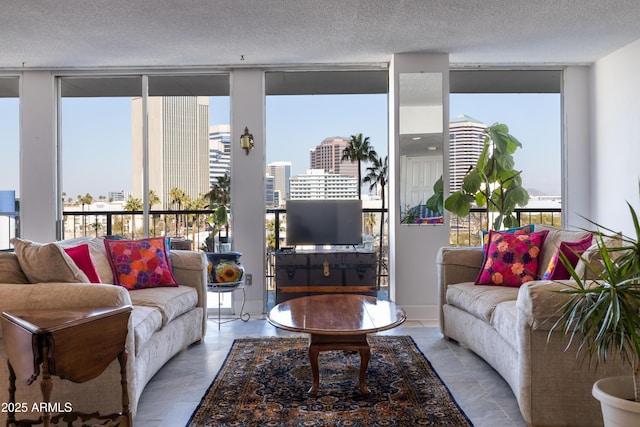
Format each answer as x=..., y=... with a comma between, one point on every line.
x=324, y=222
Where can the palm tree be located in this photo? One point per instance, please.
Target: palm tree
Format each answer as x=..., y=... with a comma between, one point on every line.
x=220, y=193
x=87, y=199
x=195, y=205
x=153, y=198
x=359, y=150
x=370, y=221
x=133, y=204
x=219, y=198
x=178, y=198
x=378, y=174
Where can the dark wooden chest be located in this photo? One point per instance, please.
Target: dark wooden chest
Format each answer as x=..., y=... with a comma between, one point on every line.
x=310, y=273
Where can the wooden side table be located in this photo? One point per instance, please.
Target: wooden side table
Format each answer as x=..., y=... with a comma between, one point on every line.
x=75, y=345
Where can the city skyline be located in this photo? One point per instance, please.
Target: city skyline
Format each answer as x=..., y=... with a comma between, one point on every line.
x=100, y=130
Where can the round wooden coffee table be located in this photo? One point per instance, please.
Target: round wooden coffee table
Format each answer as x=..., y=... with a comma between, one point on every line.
x=337, y=322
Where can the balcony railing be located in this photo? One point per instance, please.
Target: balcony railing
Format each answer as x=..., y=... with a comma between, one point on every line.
x=191, y=227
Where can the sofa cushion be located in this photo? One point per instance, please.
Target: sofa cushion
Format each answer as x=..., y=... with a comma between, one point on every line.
x=479, y=300
x=593, y=258
x=10, y=271
x=504, y=320
x=146, y=321
x=139, y=264
x=172, y=302
x=511, y=259
x=46, y=263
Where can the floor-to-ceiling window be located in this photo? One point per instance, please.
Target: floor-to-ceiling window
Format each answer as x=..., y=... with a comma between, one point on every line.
x=529, y=103
x=311, y=116
x=10, y=149
x=136, y=165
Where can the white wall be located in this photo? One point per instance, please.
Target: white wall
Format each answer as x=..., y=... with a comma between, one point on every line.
x=615, y=145
x=413, y=248
x=38, y=156
x=247, y=179
x=576, y=155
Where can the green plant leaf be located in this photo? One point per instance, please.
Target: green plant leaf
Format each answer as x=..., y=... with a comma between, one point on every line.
x=472, y=182
x=458, y=203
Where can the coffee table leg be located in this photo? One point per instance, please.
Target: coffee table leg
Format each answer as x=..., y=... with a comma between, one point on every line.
x=357, y=343
x=365, y=354
x=313, y=359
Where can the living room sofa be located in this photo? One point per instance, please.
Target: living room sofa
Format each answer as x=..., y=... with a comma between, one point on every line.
x=164, y=321
x=509, y=328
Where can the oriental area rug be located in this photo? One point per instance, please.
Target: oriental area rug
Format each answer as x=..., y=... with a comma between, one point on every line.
x=265, y=382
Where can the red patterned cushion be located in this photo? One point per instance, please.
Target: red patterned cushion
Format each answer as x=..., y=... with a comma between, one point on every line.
x=511, y=259
x=82, y=257
x=572, y=250
x=139, y=264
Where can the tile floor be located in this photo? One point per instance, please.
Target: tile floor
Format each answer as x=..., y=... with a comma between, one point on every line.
x=173, y=394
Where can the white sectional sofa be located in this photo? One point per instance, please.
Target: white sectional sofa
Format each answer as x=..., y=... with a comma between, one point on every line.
x=164, y=321
x=509, y=329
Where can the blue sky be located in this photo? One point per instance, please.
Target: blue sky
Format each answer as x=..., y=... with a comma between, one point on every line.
x=97, y=134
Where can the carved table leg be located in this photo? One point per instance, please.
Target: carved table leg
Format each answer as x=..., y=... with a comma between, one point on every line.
x=126, y=410
x=314, y=350
x=357, y=343
x=365, y=354
x=46, y=385
x=11, y=419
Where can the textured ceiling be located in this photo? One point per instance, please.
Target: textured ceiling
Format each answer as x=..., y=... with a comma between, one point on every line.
x=172, y=33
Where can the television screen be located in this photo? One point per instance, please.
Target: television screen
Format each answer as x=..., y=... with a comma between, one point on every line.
x=324, y=222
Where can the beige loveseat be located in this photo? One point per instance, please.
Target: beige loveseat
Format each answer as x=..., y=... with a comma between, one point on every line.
x=164, y=321
x=508, y=328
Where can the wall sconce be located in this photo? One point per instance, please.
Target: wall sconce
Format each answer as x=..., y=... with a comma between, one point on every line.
x=246, y=141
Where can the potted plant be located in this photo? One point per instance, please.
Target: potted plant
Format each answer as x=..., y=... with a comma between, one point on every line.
x=601, y=313
x=493, y=182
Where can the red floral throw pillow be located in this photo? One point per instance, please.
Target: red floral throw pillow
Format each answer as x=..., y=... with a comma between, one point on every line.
x=511, y=259
x=139, y=264
x=572, y=250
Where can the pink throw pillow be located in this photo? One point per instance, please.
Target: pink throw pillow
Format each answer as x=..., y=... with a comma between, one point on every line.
x=572, y=250
x=82, y=257
x=511, y=259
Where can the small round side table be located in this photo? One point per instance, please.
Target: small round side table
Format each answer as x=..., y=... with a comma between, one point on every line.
x=226, y=288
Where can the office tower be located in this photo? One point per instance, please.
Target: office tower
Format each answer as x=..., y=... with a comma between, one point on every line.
x=327, y=156
x=219, y=152
x=466, y=139
x=281, y=173
x=269, y=191
x=118, y=196
x=317, y=184
x=178, y=146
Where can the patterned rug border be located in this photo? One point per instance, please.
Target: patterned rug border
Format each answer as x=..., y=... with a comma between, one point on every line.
x=257, y=340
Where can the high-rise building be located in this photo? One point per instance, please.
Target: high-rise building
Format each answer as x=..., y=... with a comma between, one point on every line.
x=118, y=196
x=219, y=152
x=328, y=157
x=178, y=146
x=281, y=173
x=466, y=139
x=269, y=191
x=317, y=184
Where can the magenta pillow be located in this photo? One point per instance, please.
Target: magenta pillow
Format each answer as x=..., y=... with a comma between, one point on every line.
x=572, y=250
x=511, y=259
x=82, y=257
x=139, y=264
